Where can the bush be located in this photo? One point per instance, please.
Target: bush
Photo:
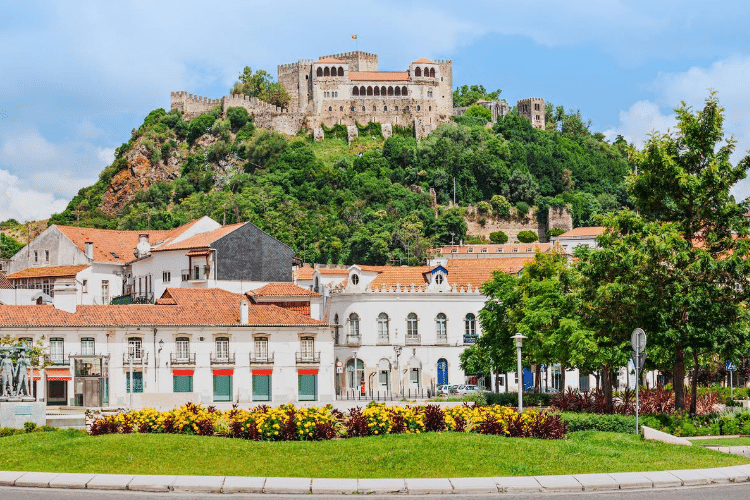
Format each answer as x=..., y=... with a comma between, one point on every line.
x=498, y=237
x=501, y=206
x=522, y=208
x=511, y=398
x=31, y=426
x=483, y=208
x=604, y=423
x=200, y=125
x=237, y=117
x=551, y=233
x=10, y=431
x=218, y=151
x=527, y=236
x=477, y=111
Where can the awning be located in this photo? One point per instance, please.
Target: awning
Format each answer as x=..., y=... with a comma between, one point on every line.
x=35, y=375
x=262, y=372
x=198, y=253
x=178, y=373
x=58, y=373
x=311, y=371
x=223, y=372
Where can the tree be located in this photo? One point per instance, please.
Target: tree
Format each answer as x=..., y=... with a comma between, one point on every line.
x=9, y=246
x=498, y=237
x=466, y=96
x=478, y=111
x=261, y=86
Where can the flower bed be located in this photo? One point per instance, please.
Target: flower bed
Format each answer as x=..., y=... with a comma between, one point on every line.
x=288, y=423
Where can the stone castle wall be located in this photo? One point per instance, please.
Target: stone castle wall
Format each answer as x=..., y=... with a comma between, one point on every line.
x=558, y=218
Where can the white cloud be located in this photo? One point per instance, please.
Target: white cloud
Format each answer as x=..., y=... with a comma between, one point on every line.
x=24, y=204
x=639, y=120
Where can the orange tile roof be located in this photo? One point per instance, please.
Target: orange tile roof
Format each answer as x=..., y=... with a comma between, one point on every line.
x=4, y=283
x=281, y=290
x=48, y=272
x=424, y=60
x=338, y=271
x=304, y=273
x=178, y=306
x=201, y=240
x=330, y=59
x=378, y=76
x=583, y=231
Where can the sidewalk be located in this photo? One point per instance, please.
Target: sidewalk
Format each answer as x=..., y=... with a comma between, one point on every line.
x=467, y=485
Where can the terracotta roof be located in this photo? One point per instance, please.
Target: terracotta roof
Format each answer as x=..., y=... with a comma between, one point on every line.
x=424, y=60
x=583, y=231
x=4, y=283
x=379, y=76
x=281, y=290
x=495, y=249
x=330, y=59
x=111, y=245
x=178, y=306
x=201, y=240
x=48, y=272
x=338, y=271
x=304, y=273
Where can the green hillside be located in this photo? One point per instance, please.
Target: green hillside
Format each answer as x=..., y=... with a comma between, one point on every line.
x=368, y=202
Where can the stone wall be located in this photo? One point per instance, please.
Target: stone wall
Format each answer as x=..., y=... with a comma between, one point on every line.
x=192, y=105
x=533, y=110
x=559, y=218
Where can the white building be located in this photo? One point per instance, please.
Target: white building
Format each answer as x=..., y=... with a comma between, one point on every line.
x=580, y=236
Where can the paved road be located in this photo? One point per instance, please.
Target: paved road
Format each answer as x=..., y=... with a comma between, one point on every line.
x=716, y=492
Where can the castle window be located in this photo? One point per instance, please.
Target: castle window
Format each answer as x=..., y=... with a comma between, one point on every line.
x=341, y=108
x=432, y=72
x=363, y=108
x=319, y=72
x=537, y=117
x=390, y=90
x=351, y=109
x=429, y=109
x=536, y=107
x=369, y=90
x=330, y=108
x=398, y=90
x=374, y=108
x=326, y=71
x=429, y=93
x=383, y=91
x=341, y=71
x=355, y=91
x=385, y=108
x=362, y=91
x=418, y=71
x=426, y=72
x=419, y=107
x=377, y=90
x=404, y=91
x=395, y=108
x=406, y=108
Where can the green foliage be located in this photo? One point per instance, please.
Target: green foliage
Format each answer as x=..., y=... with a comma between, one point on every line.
x=481, y=112
x=551, y=233
x=9, y=246
x=218, y=151
x=595, y=422
x=261, y=86
x=522, y=208
x=501, y=206
x=9, y=223
x=468, y=95
x=201, y=124
x=530, y=399
x=29, y=426
x=498, y=237
x=237, y=117
x=483, y=208
x=527, y=236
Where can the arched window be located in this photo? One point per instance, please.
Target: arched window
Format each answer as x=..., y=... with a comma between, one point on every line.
x=385, y=108
x=362, y=90
x=319, y=72
x=330, y=108
x=390, y=90
x=341, y=108
x=440, y=328
x=426, y=72
x=412, y=329
x=471, y=325
x=432, y=72
x=374, y=108
x=354, y=325
x=355, y=279
x=369, y=90
x=377, y=90
x=336, y=329
x=419, y=107
x=395, y=108
x=418, y=71
x=355, y=91
x=398, y=91
x=363, y=109
x=351, y=109
x=406, y=108
x=383, y=328
x=326, y=71
x=341, y=71
x=404, y=91
x=384, y=375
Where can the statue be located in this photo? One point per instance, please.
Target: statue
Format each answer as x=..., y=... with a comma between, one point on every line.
x=7, y=376
x=22, y=374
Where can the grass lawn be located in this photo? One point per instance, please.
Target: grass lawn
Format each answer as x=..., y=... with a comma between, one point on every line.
x=738, y=441
x=423, y=455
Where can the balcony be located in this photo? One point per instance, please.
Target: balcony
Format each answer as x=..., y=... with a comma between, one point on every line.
x=353, y=340
x=470, y=339
x=143, y=298
x=261, y=360
x=383, y=340
x=442, y=340
x=199, y=274
x=307, y=357
x=140, y=358
x=224, y=359
x=413, y=339
x=57, y=360
x=175, y=359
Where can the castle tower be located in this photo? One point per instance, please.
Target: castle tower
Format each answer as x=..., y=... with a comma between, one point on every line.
x=533, y=110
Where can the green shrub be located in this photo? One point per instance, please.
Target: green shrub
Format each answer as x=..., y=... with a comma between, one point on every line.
x=483, y=208
x=498, y=237
x=522, y=208
x=527, y=236
x=477, y=111
x=47, y=428
x=551, y=233
x=245, y=133
x=482, y=221
x=200, y=125
x=511, y=398
x=218, y=151
x=237, y=117
x=604, y=423
x=501, y=206
x=31, y=426
x=10, y=431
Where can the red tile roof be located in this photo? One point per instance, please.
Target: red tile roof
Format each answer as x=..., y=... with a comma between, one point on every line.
x=337, y=271
x=281, y=290
x=424, y=60
x=4, y=283
x=378, y=76
x=48, y=272
x=583, y=232
x=178, y=306
x=304, y=273
x=201, y=240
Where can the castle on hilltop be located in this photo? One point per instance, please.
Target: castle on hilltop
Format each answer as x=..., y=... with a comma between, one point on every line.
x=348, y=88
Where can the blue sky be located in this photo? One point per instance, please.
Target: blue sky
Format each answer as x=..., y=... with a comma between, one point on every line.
x=77, y=77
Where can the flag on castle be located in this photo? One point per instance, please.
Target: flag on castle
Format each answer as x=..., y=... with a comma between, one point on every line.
x=354, y=37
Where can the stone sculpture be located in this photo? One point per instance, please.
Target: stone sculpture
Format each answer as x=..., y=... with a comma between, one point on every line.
x=14, y=377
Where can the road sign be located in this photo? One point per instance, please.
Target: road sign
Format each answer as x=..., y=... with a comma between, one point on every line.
x=731, y=367
x=638, y=339
x=638, y=362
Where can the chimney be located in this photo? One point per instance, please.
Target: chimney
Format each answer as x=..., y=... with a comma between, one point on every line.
x=66, y=295
x=244, y=312
x=89, y=250
x=143, y=248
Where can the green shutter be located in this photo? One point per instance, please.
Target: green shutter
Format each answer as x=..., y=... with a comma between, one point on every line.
x=182, y=383
x=137, y=382
x=261, y=387
x=308, y=385
x=222, y=387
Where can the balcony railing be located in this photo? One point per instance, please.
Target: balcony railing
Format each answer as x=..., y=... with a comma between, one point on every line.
x=176, y=359
x=442, y=339
x=353, y=339
x=413, y=339
x=201, y=274
x=261, y=360
x=143, y=298
x=383, y=340
x=308, y=358
x=140, y=358
x=470, y=339
x=227, y=359
x=59, y=360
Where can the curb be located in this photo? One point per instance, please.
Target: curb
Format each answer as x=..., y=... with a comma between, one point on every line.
x=415, y=486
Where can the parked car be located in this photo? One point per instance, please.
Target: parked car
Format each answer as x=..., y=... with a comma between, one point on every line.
x=465, y=389
x=442, y=390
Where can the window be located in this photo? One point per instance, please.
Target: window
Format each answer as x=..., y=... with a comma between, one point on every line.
x=341, y=108
x=105, y=291
x=196, y=272
x=319, y=72
x=336, y=329
x=186, y=275
x=440, y=328
x=471, y=325
x=85, y=286
x=261, y=349
x=418, y=71
x=411, y=325
x=406, y=108
x=307, y=345
x=385, y=108
x=583, y=382
x=36, y=256
x=56, y=351
x=134, y=348
x=87, y=346
x=418, y=107
x=363, y=108
x=429, y=93
x=137, y=382
x=382, y=327
x=414, y=376
x=395, y=108
x=182, y=348
x=355, y=279
x=166, y=276
x=47, y=287
x=515, y=249
x=307, y=386
x=341, y=71
x=404, y=92
x=222, y=348
x=484, y=250
x=439, y=279
x=351, y=109
x=222, y=387
x=355, y=91
x=471, y=250
x=354, y=325
x=330, y=108
x=455, y=250
x=46, y=256
x=182, y=383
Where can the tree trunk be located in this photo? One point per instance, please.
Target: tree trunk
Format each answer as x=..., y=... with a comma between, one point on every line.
x=694, y=384
x=562, y=378
x=497, y=382
x=607, y=387
x=506, y=381
x=538, y=379
x=678, y=382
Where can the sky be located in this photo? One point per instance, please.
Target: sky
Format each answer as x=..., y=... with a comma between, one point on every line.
x=77, y=77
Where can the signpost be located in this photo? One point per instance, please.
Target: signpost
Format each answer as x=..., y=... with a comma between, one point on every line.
x=638, y=341
x=731, y=368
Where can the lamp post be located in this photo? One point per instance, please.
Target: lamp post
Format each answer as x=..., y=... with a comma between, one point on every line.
x=397, y=350
x=519, y=342
x=355, y=377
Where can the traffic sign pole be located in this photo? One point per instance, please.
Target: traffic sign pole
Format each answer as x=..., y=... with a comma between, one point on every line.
x=638, y=341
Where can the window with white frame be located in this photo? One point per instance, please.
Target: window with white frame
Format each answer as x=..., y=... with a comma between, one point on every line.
x=307, y=348
x=382, y=327
x=87, y=346
x=471, y=325
x=354, y=325
x=440, y=328
x=105, y=291
x=56, y=351
x=411, y=325
x=134, y=347
x=261, y=348
x=166, y=276
x=222, y=348
x=182, y=348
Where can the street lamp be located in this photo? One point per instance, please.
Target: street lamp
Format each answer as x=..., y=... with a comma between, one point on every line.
x=355, y=376
x=519, y=342
x=397, y=350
